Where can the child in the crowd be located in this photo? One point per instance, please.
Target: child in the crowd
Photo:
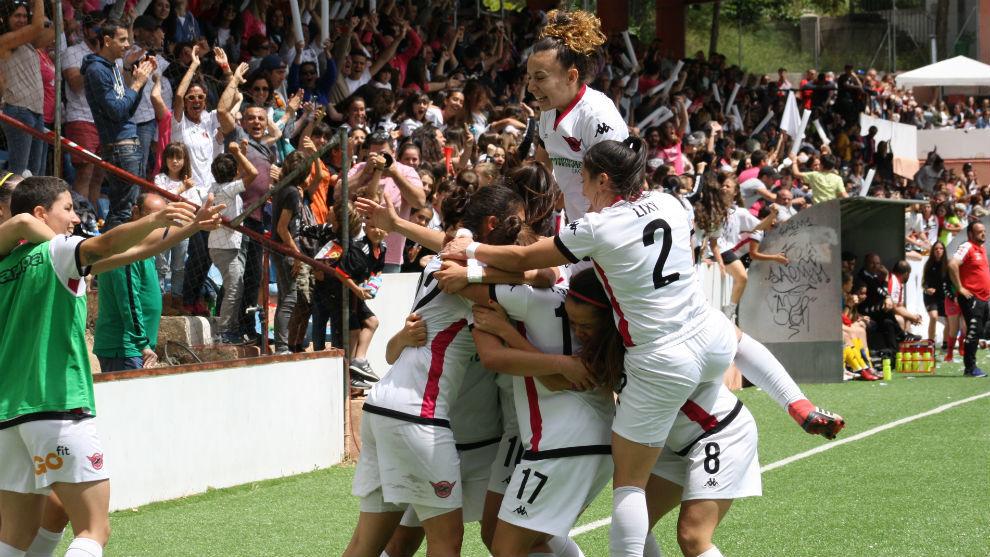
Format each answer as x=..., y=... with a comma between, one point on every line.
x=231, y=171
x=416, y=257
x=177, y=179
x=364, y=260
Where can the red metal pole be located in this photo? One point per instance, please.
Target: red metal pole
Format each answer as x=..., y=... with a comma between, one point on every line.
x=149, y=186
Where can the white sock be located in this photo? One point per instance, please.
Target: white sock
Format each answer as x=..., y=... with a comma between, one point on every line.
x=540, y=555
x=712, y=552
x=10, y=551
x=84, y=547
x=630, y=523
x=44, y=543
x=384, y=554
x=652, y=548
x=766, y=372
x=563, y=546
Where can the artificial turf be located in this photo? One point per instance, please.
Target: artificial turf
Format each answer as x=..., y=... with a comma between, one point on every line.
x=921, y=488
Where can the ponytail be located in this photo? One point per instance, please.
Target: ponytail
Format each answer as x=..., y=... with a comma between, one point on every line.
x=623, y=161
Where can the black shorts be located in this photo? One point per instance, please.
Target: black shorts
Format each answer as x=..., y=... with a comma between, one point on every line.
x=360, y=312
x=935, y=302
x=729, y=256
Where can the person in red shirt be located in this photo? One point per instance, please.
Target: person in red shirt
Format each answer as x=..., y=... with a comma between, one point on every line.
x=971, y=276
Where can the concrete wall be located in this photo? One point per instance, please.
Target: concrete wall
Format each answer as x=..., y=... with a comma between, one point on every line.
x=179, y=431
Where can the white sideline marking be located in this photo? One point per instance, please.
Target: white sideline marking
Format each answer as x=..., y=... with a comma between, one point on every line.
x=819, y=449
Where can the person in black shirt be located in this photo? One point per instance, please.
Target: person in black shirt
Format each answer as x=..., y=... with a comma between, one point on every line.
x=287, y=216
x=364, y=260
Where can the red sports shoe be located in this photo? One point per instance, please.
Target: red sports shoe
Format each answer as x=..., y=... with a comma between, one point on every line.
x=868, y=374
x=814, y=420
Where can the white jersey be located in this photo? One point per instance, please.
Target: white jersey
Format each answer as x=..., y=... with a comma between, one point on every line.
x=642, y=253
x=590, y=118
x=424, y=381
x=476, y=416
x=551, y=421
x=737, y=231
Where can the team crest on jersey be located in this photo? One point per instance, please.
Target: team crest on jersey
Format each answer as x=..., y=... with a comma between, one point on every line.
x=96, y=460
x=443, y=489
x=574, y=143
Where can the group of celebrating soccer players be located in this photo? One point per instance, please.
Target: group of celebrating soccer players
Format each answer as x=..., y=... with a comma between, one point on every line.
x=520, y=340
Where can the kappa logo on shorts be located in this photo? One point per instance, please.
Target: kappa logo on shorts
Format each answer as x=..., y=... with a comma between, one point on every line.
x=521, y=511
x=711, y=482
x=574, y=143
x=443, y=489
x=96, y=461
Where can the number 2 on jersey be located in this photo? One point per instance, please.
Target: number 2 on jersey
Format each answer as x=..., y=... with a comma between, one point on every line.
x=659, y=280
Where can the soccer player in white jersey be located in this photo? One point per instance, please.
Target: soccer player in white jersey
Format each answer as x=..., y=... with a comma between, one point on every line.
x=566, y=433
x=409, y=457
x=475, y=419
x=710, y=456
x=729, y=229
x=573, y=116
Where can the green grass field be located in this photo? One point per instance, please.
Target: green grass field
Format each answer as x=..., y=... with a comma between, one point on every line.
x=918, y=489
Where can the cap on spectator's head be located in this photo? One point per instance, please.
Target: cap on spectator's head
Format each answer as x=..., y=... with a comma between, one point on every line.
x=960, y=206
x=147, y=23
x=769, y=171
x=654, y=164
x=272, y=62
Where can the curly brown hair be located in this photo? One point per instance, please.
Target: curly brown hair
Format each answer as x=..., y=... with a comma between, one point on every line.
x=576, y=37
x=581, y=31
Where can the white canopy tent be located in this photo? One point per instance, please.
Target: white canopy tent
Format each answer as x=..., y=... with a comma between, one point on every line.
x=954, y=72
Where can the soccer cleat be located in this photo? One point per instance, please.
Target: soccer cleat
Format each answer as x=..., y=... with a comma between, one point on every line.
x=814, y=420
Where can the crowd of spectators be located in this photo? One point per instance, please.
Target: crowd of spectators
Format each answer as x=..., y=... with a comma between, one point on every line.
x=431, y=104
